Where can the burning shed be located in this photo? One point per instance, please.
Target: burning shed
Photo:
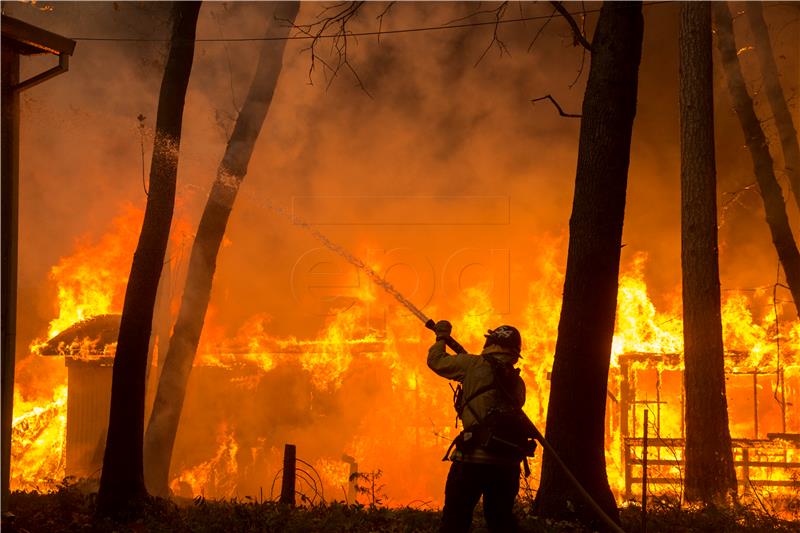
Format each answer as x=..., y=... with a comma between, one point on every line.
x=88, y=351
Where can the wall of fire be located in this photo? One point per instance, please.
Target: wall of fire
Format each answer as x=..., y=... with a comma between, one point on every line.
x=765, y=422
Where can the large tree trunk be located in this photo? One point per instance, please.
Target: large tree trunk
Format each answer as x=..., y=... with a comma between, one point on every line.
x=777, y=101
x=710, y=476
x=774, y=206
x=576, y=409
x=122, y=487
x=163, y=425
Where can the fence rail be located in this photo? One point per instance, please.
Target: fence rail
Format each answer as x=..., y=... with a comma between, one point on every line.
x=742, y=462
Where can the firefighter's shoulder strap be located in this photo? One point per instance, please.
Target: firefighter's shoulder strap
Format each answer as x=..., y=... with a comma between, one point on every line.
x=461, y=403
x=464, y=403
x=502, y=384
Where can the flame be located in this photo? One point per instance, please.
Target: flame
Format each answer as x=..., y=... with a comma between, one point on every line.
x=216, y=475
x=334, y=473
x=38, y=434
x=639, y=327
x=91, y=281
x=391, y=411
x=335, y=346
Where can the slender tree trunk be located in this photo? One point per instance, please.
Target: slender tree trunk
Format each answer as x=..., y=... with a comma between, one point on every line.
x=163, y=426
x=576, y=410
x=710, y=476
x=777, y=101
x=122, y=487
x=774, y=206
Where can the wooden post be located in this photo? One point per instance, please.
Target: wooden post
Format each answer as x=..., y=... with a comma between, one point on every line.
x=644, y=474
x=10, y=191
x=626, y=461
x=755, y=403
x=289, y=474
x=351, y=478
x=19, y=38
x=624, y=405
x=746, y=468
x=351, y=485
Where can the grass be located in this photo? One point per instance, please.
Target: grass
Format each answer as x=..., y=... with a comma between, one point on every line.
x=71, y=509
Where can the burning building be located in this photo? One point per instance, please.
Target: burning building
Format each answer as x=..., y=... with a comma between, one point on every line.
x=766, y=457
x=359, y=393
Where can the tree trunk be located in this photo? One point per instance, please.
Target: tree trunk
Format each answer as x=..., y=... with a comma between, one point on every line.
x=163, y=425
x=122, y=486
x=774, y=206
x=777, y=101
x=576, y=410
x=710, y=476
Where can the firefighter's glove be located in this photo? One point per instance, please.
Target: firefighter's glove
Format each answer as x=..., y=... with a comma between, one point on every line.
x=443, y=328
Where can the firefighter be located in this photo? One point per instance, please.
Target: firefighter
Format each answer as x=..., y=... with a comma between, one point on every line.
x=485, y=456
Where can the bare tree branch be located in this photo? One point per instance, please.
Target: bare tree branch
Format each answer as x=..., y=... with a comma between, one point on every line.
x=216, y=18
x=733, y=198
x=334, y=17
x=498, y=15
x=560, y=110
x=583, y=50
x=579, y=38
x=475, y=13
x=380, y=17
x=541, y=29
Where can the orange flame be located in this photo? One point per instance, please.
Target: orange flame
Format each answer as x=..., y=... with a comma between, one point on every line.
x=92, y=280
x=407, y=415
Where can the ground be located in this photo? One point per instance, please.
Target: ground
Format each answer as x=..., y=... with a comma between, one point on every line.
x=71, y=510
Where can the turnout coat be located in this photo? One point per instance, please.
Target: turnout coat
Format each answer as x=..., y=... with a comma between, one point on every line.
x=475, y=372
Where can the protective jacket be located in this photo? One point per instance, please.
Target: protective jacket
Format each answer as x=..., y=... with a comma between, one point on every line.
x=475, y=373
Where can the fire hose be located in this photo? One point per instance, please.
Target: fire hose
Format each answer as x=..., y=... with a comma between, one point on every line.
x=457, y=348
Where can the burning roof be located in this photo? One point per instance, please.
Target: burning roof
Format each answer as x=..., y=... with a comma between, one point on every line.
x=95, y=336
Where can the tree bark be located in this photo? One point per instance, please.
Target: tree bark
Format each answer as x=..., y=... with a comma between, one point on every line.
x=777, y=100
x=710, y=476
x=774, y=206
x=122, y=487
x=576, y=410
x=163, y=425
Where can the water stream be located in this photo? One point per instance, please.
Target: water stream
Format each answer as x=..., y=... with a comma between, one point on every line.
x=266, y=203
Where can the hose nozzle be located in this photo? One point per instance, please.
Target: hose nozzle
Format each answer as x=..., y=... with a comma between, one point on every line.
x=449, y=341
